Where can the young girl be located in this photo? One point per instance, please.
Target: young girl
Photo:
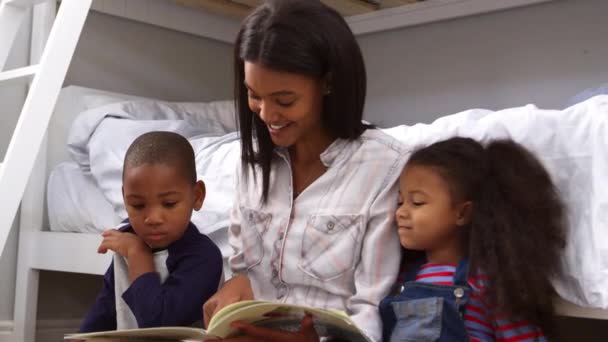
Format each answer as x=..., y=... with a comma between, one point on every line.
x=482, y=230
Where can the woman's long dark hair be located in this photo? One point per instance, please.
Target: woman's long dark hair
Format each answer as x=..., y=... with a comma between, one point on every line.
x=517, y=229
x=303, y=37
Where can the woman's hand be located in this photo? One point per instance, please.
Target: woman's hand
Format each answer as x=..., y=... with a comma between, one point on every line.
x=234, y=290
x=307, y=333
x=124, y=244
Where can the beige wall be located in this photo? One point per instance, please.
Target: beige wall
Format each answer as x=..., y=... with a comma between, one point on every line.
x=541, y=54
x=129, y=57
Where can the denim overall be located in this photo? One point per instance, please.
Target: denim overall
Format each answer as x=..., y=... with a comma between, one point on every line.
x=424, y=312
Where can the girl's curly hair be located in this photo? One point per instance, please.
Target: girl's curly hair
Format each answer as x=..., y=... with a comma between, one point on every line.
x=517, y=228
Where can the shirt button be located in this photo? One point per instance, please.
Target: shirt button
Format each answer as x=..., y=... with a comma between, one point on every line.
x=459, y=292
x=281, y=236
x=330, y=225
x=275, y=273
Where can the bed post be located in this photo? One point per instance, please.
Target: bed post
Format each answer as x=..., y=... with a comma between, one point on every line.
x=32, y=205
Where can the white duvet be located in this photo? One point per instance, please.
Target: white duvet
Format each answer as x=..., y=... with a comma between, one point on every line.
x=99, y=139
x=572, y=144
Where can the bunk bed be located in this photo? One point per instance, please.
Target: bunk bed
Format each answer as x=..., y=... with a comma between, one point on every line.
x=221, y=22
x=41, y=248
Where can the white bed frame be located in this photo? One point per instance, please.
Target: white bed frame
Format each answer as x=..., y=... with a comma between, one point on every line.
x=40, y=249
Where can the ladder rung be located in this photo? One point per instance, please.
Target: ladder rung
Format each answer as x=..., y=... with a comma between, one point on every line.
x=18, y=75
x=24, y=3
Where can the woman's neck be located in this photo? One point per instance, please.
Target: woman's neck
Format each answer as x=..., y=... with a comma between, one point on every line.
x=310, y=148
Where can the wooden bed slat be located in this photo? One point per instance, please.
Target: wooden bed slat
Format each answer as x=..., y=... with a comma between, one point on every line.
x=565, y=308
x=240, y=8
x=351, y=7
x=114, y=7
x=223, y=7
x=396, y=3
x=24, y=74
x=250, y=3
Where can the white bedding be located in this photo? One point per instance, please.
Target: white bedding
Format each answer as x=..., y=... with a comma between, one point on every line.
x=75, y=202
x=572, y=144
x=98, y=140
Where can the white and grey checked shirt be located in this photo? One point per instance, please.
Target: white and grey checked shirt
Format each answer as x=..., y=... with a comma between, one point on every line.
x=335, y=246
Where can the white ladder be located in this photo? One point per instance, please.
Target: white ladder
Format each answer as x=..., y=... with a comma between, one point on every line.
x=50, y=58
x=46, y=79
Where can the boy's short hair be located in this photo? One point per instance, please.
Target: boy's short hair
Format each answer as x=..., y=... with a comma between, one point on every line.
x=166, y=148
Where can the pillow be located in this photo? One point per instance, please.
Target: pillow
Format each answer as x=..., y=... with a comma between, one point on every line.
x=215, y=118
x=588, y=93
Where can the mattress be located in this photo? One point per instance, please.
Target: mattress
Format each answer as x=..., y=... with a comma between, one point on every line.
x=571, y=143
x=75, y=202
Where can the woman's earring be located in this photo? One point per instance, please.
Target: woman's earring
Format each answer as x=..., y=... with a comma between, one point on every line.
x=327, y=91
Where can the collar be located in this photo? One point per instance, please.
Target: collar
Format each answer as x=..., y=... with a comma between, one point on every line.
x=333, y=154
x=460, y=275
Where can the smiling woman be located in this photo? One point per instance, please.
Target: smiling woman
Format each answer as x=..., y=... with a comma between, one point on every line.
x=312, y=223
x=316, y=81
x=290, y=105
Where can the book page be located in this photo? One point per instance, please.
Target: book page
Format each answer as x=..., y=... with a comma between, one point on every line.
x=162, y=333
x=229, y=309
x=285, y=317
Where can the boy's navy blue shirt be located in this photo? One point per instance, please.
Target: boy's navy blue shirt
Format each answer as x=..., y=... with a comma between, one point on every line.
x=194, y=263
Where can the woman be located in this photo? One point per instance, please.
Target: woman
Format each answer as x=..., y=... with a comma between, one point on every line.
x=312, y=223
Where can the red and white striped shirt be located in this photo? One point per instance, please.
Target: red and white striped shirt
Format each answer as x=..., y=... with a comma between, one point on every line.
x=479, y=321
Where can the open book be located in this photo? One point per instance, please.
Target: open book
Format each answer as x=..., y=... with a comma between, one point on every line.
x=331, y=323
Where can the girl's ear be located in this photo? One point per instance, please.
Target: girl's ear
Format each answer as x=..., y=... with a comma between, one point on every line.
x=465, y=211
x=199, y=195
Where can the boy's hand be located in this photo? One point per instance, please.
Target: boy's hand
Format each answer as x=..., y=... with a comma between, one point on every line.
x=234, y=290
x=124, y=244
x=131, y=247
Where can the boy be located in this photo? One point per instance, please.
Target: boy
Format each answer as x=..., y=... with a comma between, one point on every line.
x=163, y=269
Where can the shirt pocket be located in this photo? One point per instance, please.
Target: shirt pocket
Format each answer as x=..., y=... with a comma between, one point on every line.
x=256, y=224
x=330, y=245
x=418, y=320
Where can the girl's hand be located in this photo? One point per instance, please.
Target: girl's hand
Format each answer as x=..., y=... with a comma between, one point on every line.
x=124, y=244
x=307, y=333
x=234, y=290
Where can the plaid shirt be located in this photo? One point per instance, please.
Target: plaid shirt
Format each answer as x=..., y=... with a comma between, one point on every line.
x=335, y=246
